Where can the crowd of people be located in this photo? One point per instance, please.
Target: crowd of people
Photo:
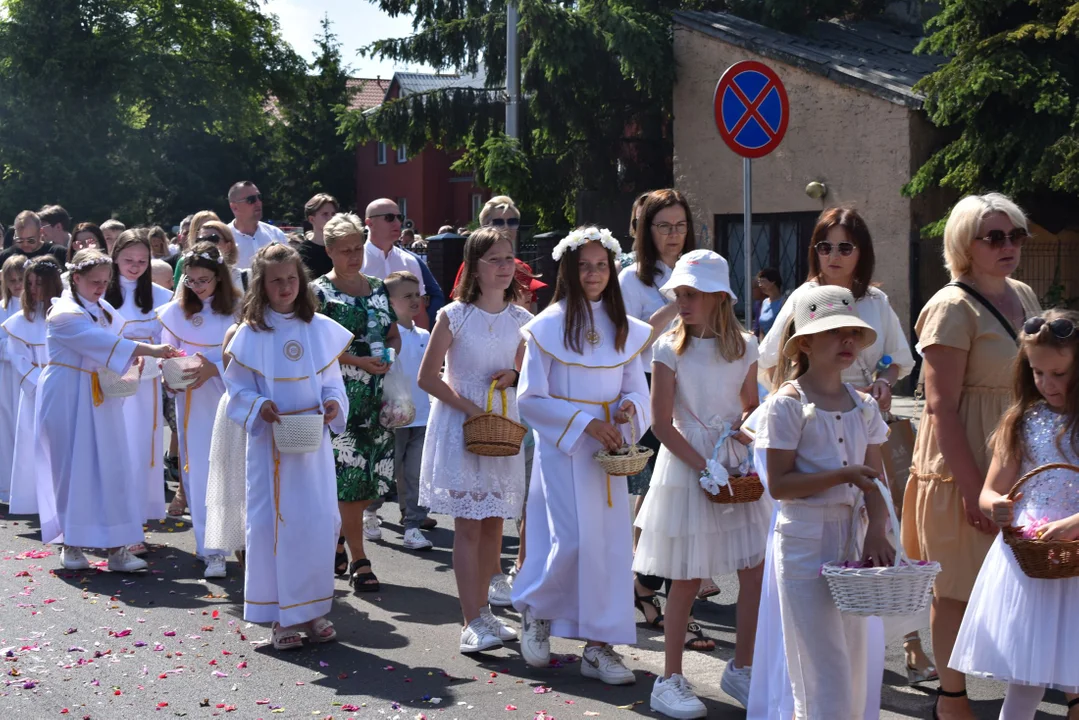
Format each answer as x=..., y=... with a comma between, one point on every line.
x=307, y=379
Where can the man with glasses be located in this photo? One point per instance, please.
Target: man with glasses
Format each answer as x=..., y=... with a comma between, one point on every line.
x=248, y=230
x=28, y=240
x=381, y=256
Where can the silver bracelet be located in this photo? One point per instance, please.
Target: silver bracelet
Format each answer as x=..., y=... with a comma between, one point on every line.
x=885, y=381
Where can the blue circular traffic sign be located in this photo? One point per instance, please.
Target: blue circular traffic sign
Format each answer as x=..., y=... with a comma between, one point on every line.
x=751, y=109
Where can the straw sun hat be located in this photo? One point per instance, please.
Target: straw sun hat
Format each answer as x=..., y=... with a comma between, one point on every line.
x=825, y=308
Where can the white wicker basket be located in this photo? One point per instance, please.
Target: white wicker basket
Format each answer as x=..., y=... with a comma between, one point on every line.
x=173, y=371
x=903, y=589
x=297, y=434
x=119, y=386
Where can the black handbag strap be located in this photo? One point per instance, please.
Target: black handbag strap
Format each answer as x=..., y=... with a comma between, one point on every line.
x=988, y=306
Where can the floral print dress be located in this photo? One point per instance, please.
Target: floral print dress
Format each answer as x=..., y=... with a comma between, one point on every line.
x=364, y=452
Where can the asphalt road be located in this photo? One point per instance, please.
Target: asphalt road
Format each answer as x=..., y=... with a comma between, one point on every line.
x=168, y=643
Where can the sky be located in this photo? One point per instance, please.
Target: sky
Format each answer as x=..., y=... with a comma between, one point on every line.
x=356, y=23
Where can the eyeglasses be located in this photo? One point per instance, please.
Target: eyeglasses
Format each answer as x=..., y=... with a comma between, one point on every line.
x=198, y=284
x=506, y=222
x=996, y=238
x=215, y=238
x=389, y=217
x=1062, y=328
x=251, y=199
x=825, y=248
x=666, y=228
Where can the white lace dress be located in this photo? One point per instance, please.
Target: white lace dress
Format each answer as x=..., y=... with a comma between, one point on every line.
x=453, y=481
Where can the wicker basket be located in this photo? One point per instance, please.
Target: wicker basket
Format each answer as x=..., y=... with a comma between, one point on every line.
x=739, y=489
x=173, y=371
x=629, y=460
x=1043, y=559
x=297, y=434
x=902, y=589
x=120, y=386
x=493, y=435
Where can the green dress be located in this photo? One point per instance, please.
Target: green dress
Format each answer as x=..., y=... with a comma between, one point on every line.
x=364, y=452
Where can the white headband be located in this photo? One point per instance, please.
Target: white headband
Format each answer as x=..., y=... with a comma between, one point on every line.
x=204, y=256
x=580, y=237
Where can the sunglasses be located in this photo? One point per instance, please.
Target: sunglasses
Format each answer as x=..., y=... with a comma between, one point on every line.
x=825, y=248
x=506, y=222
x=251, y=199
x=1062, y=328
x=390, y=217
x=996, y=238
x=24, y=240
x=215, y=238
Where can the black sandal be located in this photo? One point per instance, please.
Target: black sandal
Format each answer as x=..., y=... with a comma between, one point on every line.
x=361, y=581
x=698, y=637
x=1071, y=704
x=340, y=560
x=640, y=601
x=944, y=693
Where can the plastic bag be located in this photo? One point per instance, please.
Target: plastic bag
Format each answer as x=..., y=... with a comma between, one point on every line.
x=397, y=408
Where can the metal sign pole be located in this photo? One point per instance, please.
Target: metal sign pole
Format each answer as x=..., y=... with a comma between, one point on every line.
x=747, y=237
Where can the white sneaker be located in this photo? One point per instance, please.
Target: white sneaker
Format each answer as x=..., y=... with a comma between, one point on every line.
x=735, y=682
x=603, y=663
x=504, y=632
x=535, y=640
x=499, y=591
x=123, y=561
x=215, y=567
x=414, y=540
x=372, y=526
x=478, y=636
x=674, y=698
x=71, y=558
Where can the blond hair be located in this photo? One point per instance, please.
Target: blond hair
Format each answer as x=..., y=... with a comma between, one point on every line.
x=340, y=226
x=964, y=223
x=730, y=337
x=14, y=267
x=498, y=202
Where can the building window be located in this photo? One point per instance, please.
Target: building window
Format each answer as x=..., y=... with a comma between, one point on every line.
x=402, y=155
x=402, y=205
x=382, y=153
x=477, y=205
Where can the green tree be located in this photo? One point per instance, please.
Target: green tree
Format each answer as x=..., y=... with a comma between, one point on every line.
x=1008, y=101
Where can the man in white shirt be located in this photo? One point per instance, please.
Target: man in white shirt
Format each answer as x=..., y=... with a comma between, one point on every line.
x=248, y=230
x=380, y=255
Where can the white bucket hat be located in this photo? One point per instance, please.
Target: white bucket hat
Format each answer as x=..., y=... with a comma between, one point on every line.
x=824, y=308
x=703, y=270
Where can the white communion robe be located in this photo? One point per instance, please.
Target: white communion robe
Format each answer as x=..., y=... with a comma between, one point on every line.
x=578, y=570
x=202, y=333
x=26, y=353
x=143, y=412
x=292, y=517
x=9, y=402
x=98, y=494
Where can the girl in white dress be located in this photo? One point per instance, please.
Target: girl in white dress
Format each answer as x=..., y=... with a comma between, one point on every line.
x=133, y=293
x=822, y=441
x=704, y=384
x=98, y=493
x=26, y=351
x=581, y=385
x=11, y=276
x=284, y=362
x=479, y=339
x=1018, y=629
x=226, y=484
x=196, y=323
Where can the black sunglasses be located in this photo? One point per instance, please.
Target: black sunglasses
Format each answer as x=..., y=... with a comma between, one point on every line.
x=1062, y=328
x=825, y=248
x=251, y=199
x=506, y=222
x=996, y=238
x=389, y=217
x=215, y=238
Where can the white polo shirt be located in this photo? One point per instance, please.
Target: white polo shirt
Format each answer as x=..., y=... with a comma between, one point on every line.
x=379, y=264
x=413, y=344
x=248, y=245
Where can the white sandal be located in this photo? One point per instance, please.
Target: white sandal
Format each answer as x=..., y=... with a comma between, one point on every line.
x=286, y=638
x=316, y=631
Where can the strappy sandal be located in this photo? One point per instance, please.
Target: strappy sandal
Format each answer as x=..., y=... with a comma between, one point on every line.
x=179, y=502
x=944, y=693
x=641, y=602
x=708, y=589
x=698, y=637
x=361, y=582
x=340, y=559
x=138, y=549
x=316, y=631
x=286, y=638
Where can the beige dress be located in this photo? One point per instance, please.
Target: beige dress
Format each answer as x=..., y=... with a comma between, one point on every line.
x=934, y=523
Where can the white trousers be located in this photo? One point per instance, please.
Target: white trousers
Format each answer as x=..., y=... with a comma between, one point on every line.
x=825, y=649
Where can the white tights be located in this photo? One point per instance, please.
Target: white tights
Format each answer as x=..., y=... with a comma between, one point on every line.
x=1021, y=702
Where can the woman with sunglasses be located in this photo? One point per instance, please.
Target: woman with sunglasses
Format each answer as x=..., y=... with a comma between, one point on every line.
x=967, y=336
x=85, y=235
x=501, y=213
x=197, y=221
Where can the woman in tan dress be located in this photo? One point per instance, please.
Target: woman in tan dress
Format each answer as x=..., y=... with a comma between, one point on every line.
x=968, y=354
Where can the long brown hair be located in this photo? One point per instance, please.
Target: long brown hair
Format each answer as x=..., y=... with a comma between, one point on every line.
x=1007, y=441
x=579, y=311
x=858, y=232
x=730, y=337
x=256, y=302
x=52, y=286
x=144, y=286
x=644, y=245
x=477, y=245
x=225, y=295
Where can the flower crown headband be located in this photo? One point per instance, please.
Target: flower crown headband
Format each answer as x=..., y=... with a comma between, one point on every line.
x=204, y=256
x=99, y=260
x=582, y=236
x=47, y=263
